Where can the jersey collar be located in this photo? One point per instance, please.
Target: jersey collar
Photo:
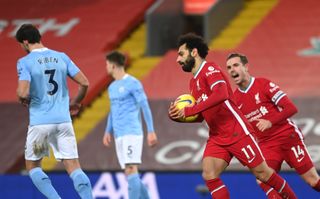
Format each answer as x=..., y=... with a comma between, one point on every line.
x=249, y=86
x=40, y=49
x=200, y=68
x=125, y=76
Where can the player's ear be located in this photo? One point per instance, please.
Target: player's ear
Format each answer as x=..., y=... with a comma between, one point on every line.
x=246, y=67
x=194, y=52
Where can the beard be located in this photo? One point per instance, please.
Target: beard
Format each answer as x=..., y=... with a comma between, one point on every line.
x=188, y=65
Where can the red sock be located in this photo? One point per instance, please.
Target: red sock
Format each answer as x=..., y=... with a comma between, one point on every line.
x=270, y=192
x=317, y=186
x=280, y=185
x=217, y=189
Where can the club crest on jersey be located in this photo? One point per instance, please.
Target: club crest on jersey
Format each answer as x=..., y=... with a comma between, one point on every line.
x=211, y=70
x=273, y=87
x=257, y=98
x=121, y=89
x=198, y=85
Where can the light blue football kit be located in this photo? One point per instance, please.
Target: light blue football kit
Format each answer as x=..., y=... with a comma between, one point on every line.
x=127, y=98
x=47, y=72
x=50, y=122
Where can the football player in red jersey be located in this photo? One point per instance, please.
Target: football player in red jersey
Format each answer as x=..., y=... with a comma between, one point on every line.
x=230, y=134
x=269, y=109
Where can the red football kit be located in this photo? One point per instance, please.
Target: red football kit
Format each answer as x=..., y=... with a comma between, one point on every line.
x=229, y=131
x=283, y=141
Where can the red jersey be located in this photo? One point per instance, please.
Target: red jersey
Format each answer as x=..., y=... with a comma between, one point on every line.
x=226, y=122
x=261, y=101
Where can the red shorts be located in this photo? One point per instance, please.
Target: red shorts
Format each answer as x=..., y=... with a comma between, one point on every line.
x=290, y=149
x=246, y=150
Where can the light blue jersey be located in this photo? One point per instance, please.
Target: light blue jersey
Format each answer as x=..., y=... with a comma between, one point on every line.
x=127, y=98
x=47, y=72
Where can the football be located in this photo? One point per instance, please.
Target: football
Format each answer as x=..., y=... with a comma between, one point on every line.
x=183, y=101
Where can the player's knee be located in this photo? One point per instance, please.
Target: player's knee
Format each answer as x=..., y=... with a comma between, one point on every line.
x=262, y=173
x=208, y=175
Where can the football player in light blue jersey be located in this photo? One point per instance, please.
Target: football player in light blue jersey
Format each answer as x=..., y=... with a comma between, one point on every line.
x=42, y=87
x=127, y=98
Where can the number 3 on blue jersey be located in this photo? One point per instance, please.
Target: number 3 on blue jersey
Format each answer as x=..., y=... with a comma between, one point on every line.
x=51, y=81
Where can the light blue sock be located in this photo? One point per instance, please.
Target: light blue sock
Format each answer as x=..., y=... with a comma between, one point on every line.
x=144, y=191
x=82, y=184
x=43, y=183
x=134, y=186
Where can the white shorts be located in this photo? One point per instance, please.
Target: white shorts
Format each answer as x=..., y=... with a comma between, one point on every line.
x=60, y=137
x=129, y=149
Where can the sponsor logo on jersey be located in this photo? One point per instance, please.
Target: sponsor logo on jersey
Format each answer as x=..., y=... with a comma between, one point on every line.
x=212, y=70
x=263, y=110
x=273, y=87
x=257, y=114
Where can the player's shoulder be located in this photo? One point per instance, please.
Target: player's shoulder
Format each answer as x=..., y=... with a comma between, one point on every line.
x=132, y=79
x=262, y=79
x=59, y=53
x=212, y=65
x=264, y=82
x=23, y=59
x=210, y=68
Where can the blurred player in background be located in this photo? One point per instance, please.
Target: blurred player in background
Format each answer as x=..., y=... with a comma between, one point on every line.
x=269, y=110
x=43, y=88
x=127, y=98
x=229, y=131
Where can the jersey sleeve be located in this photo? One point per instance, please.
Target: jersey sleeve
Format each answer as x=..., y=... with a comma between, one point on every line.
x=72, y=68
x=147, y=115
x=137, y=91
x=109, y=124
x=218, y=95
x=286, y=107
x=23, y=71
x=141, y=99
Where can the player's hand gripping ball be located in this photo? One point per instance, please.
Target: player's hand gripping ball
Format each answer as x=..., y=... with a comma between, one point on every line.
x=183, y=101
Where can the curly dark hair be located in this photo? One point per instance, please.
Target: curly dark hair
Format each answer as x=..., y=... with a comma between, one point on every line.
x=194, y=41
